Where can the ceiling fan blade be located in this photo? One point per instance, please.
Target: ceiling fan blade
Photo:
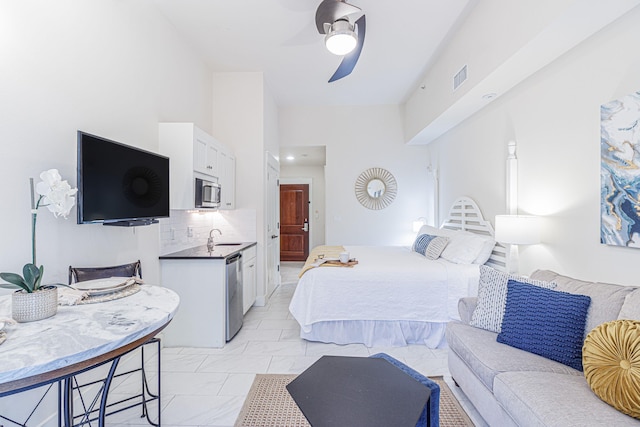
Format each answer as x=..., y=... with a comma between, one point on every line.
x=349, y=61
x=331, y=10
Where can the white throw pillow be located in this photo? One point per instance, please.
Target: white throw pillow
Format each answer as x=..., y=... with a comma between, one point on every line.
x=631, y=307
x=492, y=297
x=485, y=252
x=463, y=247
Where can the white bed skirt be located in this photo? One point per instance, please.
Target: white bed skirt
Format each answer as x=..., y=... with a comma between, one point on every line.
x=378, y=333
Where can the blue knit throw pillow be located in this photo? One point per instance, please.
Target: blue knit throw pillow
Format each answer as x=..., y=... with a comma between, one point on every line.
x=545, y=322
x=422, y=241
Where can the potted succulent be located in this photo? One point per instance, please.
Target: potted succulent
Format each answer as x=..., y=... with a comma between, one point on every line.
x=34, y=301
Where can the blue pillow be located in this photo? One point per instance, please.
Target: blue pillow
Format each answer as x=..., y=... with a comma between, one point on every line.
x=422, y=241
x=545, y=322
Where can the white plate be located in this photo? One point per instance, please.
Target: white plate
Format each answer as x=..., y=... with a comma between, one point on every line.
x=108, y=284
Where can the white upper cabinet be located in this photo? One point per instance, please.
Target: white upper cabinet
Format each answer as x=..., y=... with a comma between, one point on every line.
x=205, y=154
x=227, y=164
x=192, y=152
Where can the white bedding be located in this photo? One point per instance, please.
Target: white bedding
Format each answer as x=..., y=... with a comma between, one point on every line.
x=391, y=287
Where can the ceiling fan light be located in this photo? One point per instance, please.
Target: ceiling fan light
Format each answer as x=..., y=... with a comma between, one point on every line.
x=341, y=39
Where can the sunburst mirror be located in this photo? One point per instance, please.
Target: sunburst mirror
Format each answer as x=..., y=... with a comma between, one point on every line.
x=376, y=188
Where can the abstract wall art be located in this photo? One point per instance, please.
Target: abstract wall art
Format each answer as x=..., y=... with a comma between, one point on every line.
x=620, y=172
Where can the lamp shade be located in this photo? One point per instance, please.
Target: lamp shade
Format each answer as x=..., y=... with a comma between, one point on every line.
x=518, y=229
x=341, y=39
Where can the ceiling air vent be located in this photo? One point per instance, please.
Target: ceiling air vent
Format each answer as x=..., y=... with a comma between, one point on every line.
x=460, y=77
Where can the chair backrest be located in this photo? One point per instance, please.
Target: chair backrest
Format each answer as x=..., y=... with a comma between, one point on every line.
x=77, y=274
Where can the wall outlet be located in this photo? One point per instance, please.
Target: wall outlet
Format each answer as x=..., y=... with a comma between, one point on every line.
x=172, y=233
x=189, y=231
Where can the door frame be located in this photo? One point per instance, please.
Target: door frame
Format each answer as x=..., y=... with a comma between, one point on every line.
x=309, y=181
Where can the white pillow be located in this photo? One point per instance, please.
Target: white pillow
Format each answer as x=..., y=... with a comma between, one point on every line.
x=463, y=248
x=492, y=297
x=428, y=229
x=487, y=249
x=631, y=307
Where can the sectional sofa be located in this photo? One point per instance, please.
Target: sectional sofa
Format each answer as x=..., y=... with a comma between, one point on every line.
x=513, y=387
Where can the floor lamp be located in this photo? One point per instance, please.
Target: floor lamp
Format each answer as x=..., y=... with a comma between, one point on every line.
x=517, y=230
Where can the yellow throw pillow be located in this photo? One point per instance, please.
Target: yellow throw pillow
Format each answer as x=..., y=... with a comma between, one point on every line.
x=611, y=362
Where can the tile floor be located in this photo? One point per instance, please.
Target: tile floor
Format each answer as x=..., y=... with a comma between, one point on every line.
x=207, y=387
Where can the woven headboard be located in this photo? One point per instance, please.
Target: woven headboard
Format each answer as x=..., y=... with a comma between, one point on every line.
x=465, y=214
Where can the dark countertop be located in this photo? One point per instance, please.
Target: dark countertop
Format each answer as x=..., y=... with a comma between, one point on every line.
x=220, y=251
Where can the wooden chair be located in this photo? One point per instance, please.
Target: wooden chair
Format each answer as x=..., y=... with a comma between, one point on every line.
x=134, y=269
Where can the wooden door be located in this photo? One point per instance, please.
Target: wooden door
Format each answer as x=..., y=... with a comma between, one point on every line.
x=294, y=222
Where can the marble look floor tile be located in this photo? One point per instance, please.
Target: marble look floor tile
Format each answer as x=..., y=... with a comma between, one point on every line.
x=232, y=347
x=278, y=348
x=323, y=349
x=237, y=385
x=236, y=364
x=291, y=364
x=277, y=314
x=428, y=367
x=193, y=383
x=246, y=335
x=250, y=324
x=290, y=335
x=202, y=410
x=181, y=362
x=278, y=324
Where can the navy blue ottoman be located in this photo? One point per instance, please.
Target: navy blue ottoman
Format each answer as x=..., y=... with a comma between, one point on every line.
x=431, y=413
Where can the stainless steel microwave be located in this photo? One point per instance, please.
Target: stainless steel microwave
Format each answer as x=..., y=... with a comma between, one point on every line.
x=207, y=194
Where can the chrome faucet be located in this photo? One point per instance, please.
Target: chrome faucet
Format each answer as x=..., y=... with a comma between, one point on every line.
x=210, y=243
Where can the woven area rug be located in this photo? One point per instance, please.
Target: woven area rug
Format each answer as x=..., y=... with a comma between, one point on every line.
x=269, y=404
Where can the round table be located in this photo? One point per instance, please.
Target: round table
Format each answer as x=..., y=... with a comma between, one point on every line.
x=80, y=337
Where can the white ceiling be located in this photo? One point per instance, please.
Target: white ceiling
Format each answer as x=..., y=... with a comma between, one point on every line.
x=303, y=156
x=279, y=38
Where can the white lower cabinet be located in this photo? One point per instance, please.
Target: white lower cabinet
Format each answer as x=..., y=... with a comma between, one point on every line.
x=249, y=278
x=200, y=320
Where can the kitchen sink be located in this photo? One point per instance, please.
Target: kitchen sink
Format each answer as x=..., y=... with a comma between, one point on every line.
x=227, y=244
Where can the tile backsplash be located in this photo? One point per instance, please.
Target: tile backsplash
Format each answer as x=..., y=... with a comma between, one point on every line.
x=186, y=229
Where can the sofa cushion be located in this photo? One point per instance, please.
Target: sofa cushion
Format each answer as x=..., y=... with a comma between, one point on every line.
x=492, y=295
x=611, y=358
x=553, y=399
x=631, y=307
x=480, y=351
x=606, y=299
x=545, y=322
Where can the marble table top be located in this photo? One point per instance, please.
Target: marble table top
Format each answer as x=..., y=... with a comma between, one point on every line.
x=80, y=332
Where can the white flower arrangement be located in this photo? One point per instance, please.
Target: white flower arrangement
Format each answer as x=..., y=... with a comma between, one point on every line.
x=55, y=194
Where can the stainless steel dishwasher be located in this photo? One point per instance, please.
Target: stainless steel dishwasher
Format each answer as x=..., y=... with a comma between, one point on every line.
x=234, y=295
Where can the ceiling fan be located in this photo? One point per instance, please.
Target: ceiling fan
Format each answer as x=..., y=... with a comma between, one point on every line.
x=339, y=21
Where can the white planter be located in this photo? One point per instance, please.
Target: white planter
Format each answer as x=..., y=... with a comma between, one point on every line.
x=38, y=305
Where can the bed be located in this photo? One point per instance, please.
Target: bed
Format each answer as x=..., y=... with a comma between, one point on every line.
x=395, y=296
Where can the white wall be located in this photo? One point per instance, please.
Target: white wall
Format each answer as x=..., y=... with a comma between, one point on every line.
x=245, y=118
x=358, y=138
x=108, y=67
x=317, y=214
x=555, y=118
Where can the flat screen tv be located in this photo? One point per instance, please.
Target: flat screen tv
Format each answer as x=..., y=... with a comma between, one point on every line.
x=119, y=184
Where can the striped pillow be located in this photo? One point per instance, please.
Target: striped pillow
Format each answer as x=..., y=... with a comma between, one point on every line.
x=430, y=246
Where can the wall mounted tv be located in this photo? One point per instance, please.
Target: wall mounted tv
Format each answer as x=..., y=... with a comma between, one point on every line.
x=119, y=184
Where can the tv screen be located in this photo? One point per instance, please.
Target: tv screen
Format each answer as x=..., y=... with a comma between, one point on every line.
x=119, y=184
